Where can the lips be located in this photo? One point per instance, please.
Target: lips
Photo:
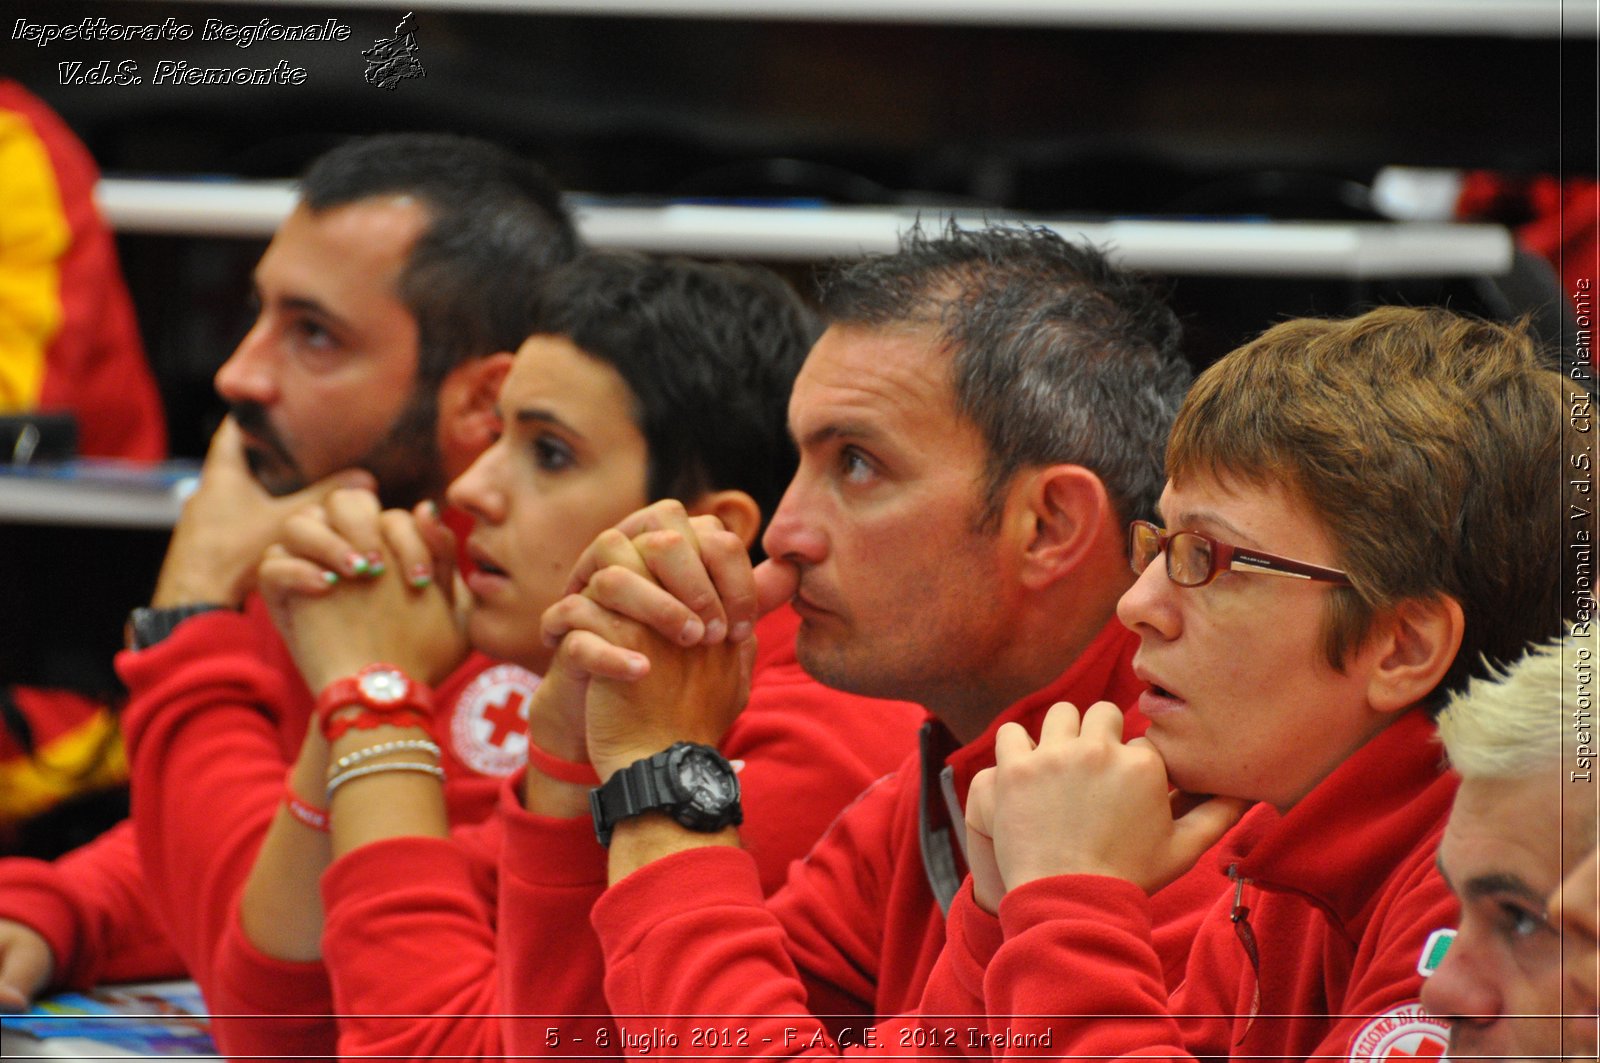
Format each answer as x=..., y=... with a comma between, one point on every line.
x=486, y=575
x=1154, y=682
x=259, y=435
x=807, y=606
x=1160, y=698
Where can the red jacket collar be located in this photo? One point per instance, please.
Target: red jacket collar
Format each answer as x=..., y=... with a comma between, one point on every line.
x=1102, y=672
x=1343, y=838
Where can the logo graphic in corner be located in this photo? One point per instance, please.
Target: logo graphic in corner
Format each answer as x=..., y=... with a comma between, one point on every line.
x=1399, y=1034
x=490, y=726
x=392, y=60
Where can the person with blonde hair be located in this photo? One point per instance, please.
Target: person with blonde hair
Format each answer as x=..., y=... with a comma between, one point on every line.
x=1521, y=821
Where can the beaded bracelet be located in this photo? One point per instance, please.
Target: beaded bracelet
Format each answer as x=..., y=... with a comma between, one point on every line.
x=581, y=773
x=308, y=814
x=378, y=769
x=366, y=720
x=365, y=753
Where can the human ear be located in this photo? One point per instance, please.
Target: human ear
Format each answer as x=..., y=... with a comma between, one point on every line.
x=1055, y=515
x=737, y=511
x=468, y=423
x=1417, y=643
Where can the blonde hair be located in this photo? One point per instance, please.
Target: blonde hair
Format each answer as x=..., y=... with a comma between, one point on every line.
x=1514, y=722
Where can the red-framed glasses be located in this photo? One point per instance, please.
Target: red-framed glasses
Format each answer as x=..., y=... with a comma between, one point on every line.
x=1193, y=559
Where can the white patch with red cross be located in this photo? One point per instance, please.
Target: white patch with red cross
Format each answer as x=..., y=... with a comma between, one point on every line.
x=1400, y=1034
x=489, y=729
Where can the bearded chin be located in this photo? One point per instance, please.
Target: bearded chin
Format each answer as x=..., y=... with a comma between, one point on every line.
x=276, y=477
x=407, y=462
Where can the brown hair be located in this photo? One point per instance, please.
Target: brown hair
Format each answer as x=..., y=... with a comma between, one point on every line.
x=1429, y=444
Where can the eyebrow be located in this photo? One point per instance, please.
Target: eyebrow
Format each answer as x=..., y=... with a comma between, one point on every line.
x=829, y=432
x=540, y=415
x=1204, y=517
x=1493, y=883
x=1503, y=882
x=300, y=304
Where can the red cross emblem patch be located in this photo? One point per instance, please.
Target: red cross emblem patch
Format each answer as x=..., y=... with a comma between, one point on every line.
x=1401, y=1034
x=489, y=728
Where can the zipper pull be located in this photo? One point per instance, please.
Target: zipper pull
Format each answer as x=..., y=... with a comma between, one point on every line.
x=1240, y=917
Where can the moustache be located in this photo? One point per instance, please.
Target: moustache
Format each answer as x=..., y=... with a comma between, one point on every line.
x=251, y=418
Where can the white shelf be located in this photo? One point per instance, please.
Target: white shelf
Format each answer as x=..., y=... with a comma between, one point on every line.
x=1502, y=18
x=107, y=497
x=1365, y=250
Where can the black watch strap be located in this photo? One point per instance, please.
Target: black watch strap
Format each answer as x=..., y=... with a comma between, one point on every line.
x=147, y=626
x=652, y=785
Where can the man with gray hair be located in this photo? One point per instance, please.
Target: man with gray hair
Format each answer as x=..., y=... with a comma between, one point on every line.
x=1522, y=820
x=984, y=414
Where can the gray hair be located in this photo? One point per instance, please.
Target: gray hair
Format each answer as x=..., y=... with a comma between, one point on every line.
x=1056, y=356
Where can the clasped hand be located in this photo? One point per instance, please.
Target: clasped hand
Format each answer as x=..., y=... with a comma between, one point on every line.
x=1081, y=801
x=350, y=584
x=659, y=620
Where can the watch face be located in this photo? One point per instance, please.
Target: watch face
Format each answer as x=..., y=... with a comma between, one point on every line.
x=384, y=686
x=706, y=779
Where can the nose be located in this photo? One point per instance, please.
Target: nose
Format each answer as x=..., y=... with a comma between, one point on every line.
x=480, y=491
x=251, y=373
x=795, y=533
x=1150, y=606
x=1462, y=993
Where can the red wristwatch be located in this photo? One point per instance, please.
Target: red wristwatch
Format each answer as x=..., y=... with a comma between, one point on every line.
x=381, y=688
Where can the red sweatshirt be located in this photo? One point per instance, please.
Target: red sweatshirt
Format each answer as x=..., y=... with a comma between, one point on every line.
x=216, y=713
x=90, y=906
x=1341, y=893
x=854, y=934
x=428, y=905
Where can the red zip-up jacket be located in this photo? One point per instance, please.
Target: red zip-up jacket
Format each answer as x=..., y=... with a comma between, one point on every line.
x=519, y=942
x=216, y=714
x=1340, y=895
x=411, y=922
x=844, y=956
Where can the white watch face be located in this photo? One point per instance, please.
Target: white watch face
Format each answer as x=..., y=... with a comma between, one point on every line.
x=385, y=686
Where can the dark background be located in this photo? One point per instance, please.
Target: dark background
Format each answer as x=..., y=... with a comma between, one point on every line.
x=1046, y=121
x=1033, y=119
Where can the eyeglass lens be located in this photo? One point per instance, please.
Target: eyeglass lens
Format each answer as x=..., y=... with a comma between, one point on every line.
x=1188, y=555
x=1188, y=559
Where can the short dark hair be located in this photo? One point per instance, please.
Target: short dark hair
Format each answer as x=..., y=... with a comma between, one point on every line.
x=1056, y=356
x=495, y=222
x=710, y=352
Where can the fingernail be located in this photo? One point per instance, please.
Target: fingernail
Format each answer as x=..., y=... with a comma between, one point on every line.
x=692, y=631
x=330, y=577
x=715, y=630
x=356, y=564
x=421, y=575
x=375, y=565
x=741, y=631
x=433, y=509
x=637, y=665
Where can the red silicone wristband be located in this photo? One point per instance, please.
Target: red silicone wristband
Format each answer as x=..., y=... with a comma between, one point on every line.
x=335, y=727
x=309, y=814
x=573, y=771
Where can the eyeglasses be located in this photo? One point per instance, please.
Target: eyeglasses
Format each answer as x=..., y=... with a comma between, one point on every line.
x=1193, y=559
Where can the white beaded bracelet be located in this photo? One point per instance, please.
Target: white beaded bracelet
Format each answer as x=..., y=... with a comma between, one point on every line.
x=378, y=769
x=399, y=745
